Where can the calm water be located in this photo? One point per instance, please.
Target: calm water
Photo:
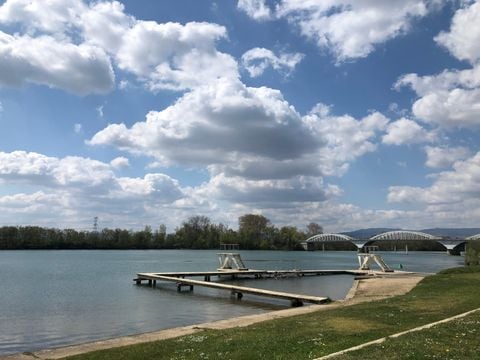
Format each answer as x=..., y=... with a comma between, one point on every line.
x=54, y=298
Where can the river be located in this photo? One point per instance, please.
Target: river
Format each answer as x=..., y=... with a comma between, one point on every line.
x=60, y=297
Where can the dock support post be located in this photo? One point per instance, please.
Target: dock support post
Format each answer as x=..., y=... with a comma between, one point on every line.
x=181, y=285
x=138, y=281
x=296, y=303
x=149, y=282
x=154, y=282
x=239, y=295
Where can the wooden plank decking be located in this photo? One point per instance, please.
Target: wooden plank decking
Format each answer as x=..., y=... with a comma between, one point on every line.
x=258, y=273
x=296, y=299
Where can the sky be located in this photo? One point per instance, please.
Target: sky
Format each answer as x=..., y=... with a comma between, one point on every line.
x=347, y=113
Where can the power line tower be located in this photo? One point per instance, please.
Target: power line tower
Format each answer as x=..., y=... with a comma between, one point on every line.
x=95, y=224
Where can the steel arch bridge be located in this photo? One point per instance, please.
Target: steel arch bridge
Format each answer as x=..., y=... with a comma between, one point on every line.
x=359, y=243
x=402, y=235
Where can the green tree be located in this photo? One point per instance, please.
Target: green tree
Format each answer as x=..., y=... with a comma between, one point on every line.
x=253, y=230
x=314, y=229
x=290, y=237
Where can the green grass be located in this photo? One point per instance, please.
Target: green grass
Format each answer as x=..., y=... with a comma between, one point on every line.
x=320, y=333
x=459, y=339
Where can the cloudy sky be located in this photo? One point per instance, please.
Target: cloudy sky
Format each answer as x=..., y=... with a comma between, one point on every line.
x=349, y=113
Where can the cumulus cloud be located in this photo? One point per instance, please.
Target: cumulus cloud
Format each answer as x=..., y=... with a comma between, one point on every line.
x=257, y=148
x=253, y=132
x=80, y=69
x=443, y=157
x=215, y=124
x=53, y=16
x=460, y=185
x=78, y=185
x=405, y=131
x=450, y=99
x=257, y=60
x=120, y=162
x=462, y=39
x=71, y=45
x=269, y=193
x=174, y=56
x=256, y=9
x=345, y=137
x=348, y=29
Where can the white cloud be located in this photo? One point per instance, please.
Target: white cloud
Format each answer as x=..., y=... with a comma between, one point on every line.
x=174, y=56
x=256, y=147
x=460, y=185
x=77, y=128
x=71, y=44
x=99, y=110
x=120, y=162
x=256, y=9
x=443, y=157
x=53, y=16
x=462, y=39
x=70, y=188
x=257, y=60
x=449, y=100
x=244, y=131
x=80, y=69
x=405, y=131
x=268, y=193
x=344, y=137
x=216, y=124
x=349, y=29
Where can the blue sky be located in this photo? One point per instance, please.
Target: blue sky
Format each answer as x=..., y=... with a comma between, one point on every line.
x=346, y=113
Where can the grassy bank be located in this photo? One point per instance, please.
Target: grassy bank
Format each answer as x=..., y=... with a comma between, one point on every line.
x=308, y=336
x=459, y=339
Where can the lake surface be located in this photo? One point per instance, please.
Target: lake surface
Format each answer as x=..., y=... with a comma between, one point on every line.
x=56, y=298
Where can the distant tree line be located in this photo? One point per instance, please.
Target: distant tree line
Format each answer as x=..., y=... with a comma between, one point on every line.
x=197, y=232
x=255, y=232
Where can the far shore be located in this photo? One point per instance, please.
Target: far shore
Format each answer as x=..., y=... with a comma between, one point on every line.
x=363, y=290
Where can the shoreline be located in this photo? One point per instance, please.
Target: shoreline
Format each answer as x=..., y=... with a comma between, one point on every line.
x=382, y=286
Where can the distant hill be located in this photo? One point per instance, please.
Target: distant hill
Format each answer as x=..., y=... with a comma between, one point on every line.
x=460, y=232
x=451, y=232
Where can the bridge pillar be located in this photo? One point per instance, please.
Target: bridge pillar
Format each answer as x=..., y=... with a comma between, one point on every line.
x=455, y=252
x=359, y=244
x=453, y=248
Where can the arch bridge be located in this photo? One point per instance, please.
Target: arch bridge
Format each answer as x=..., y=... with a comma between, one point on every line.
x=402, y=235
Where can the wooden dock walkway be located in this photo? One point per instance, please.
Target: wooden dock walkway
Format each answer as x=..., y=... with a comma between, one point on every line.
x=238, y=291
x=296, y=299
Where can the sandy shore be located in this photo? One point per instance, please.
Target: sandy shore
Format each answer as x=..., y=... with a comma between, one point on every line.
x=363, y=290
